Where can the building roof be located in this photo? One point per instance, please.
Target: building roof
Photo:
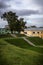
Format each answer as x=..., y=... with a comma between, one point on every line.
x=33, y=29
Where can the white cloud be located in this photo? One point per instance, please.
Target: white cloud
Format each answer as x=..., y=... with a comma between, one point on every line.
x=23, y=4
x=36, y=16
x=35, y=5
x=2, y=23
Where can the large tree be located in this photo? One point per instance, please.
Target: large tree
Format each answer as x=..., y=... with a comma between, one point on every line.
x=14, y=23
x=11, y=19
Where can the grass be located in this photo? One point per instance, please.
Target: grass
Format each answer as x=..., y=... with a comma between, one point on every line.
x=10, y=54
x=36, y=40
x=5, y=36
x=19, y=42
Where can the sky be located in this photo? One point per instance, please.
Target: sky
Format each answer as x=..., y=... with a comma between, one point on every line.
x=30, y=10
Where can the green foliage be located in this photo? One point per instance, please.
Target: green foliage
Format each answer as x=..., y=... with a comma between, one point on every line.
x=21, y=25
x=12, y=55
x=11, y=18
x=5, y=36
x=36, y=40
x=14, y=23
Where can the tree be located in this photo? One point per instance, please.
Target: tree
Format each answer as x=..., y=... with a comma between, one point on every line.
x=14, y=23
x=11, y=19
x=40, y=27
x=20, y=25
x=33, y=26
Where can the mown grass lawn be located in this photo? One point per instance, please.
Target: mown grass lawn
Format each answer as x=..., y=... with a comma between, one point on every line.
x=36, y=40
x=12, y=55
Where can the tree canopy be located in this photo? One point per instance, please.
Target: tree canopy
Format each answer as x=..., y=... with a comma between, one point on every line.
x=14, y=23
x=20, y=25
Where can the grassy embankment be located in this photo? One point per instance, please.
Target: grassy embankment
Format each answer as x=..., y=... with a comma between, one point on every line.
x=18, y=52
x=36, y=40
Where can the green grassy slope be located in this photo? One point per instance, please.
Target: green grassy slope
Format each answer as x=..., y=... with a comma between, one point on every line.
x=12, y=55
x=19, y=42
x=5, y=36
x=36, y=40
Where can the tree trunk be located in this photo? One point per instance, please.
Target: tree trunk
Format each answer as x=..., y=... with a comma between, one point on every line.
x=11, y=31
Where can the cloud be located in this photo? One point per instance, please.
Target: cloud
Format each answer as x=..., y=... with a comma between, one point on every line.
x=23, y=12
x=28, y=9
x=26, y=12
x=2, y=23
x=3, y=4
x=18, y=2
x=39, y=2
x=37, y=21
x=34, y=20
x=23, y=7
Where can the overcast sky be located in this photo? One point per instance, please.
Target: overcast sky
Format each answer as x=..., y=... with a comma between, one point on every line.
x=30, y=10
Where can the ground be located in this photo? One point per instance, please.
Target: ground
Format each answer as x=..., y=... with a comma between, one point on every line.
x=16, y=51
